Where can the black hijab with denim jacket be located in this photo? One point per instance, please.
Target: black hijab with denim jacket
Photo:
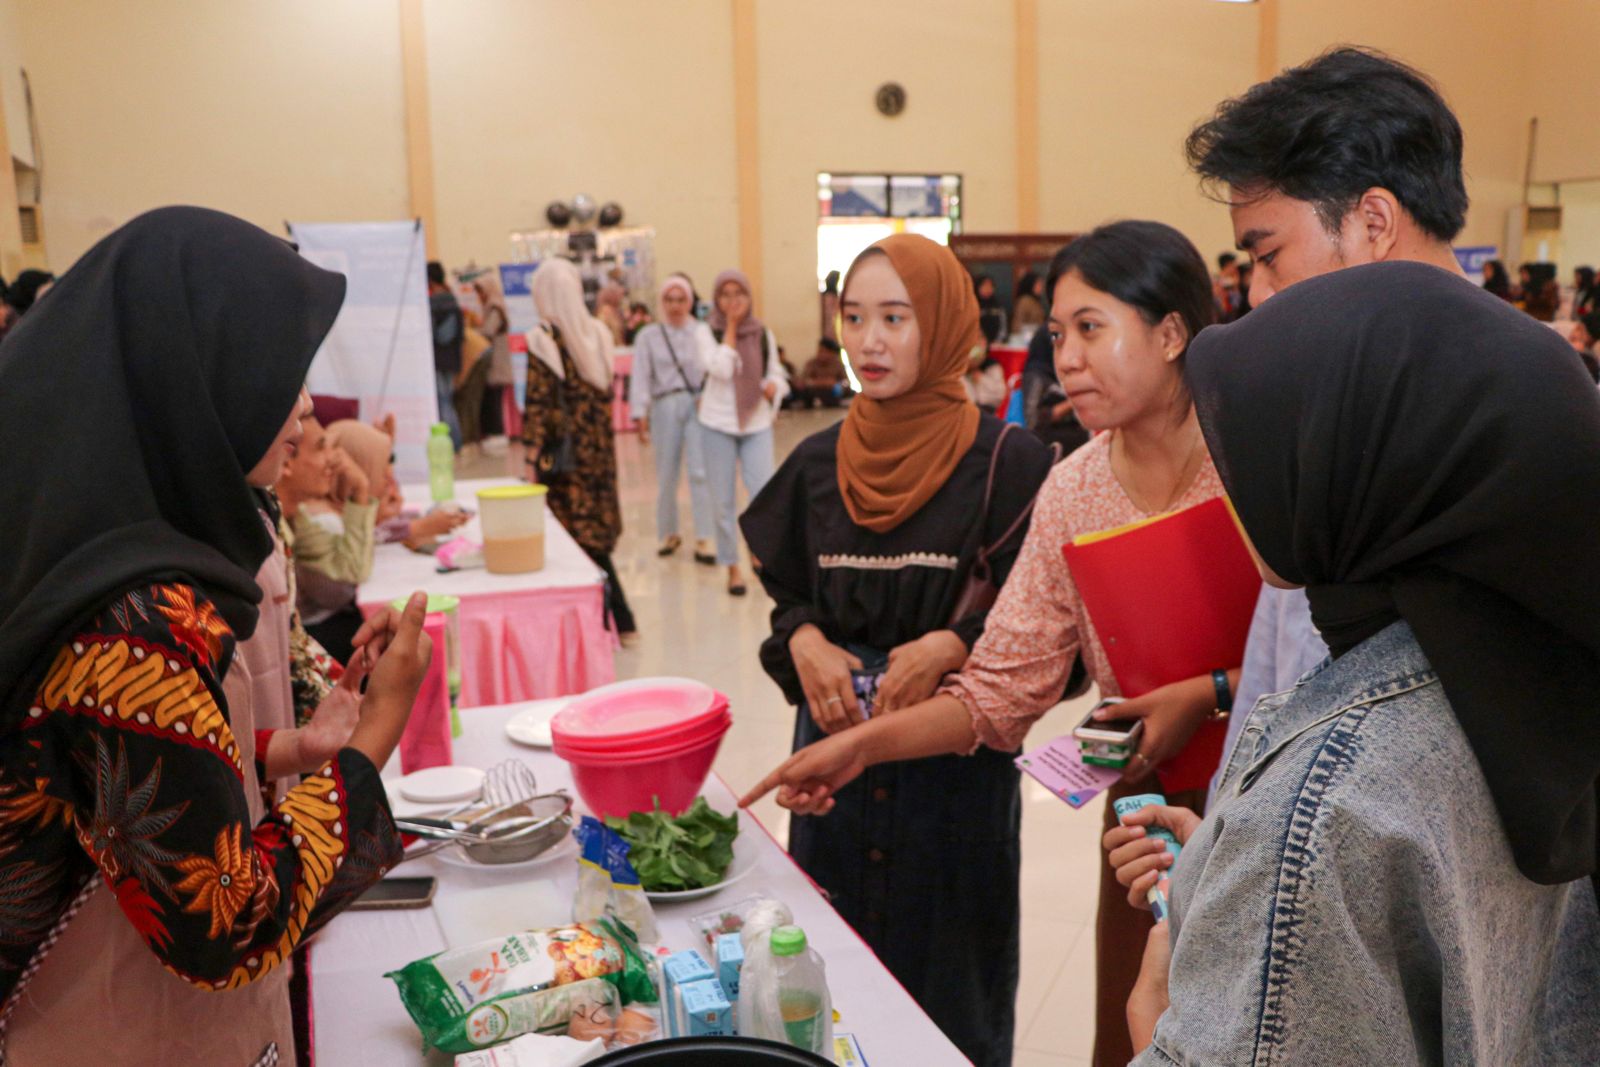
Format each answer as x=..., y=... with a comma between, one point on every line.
x=1408, y=446
x=133, y=403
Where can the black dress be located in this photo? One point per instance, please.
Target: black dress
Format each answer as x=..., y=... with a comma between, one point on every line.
x=921, y=857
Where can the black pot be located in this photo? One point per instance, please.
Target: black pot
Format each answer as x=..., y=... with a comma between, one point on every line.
x=711, y=1052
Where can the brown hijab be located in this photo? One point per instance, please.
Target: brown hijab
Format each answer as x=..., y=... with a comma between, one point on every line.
x=895, y=454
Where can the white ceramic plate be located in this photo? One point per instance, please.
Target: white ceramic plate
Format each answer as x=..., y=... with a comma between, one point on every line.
x=531, y=726
x=565, y=849
x=744, y=861
x=406, y=809
x=442, y=785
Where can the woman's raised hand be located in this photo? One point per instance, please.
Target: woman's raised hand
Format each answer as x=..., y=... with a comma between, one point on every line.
x=824, y=669
x=350, y=482
x=392, y=686
x=437, y=524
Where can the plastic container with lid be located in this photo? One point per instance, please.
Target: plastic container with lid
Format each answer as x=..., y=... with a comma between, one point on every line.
x=441, y=464
x=513, y=528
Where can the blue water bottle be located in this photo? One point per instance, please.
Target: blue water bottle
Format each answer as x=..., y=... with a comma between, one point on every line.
x=441, y=464
x=1157, y=896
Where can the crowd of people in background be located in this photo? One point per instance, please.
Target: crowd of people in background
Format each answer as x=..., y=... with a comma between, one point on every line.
x=1387, y=853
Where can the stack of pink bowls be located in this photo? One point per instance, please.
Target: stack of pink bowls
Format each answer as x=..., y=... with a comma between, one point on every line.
x=632, y=743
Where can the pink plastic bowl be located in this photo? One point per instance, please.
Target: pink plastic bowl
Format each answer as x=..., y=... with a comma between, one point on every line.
x=567, y=748
x=620, y=787
x=646, y=710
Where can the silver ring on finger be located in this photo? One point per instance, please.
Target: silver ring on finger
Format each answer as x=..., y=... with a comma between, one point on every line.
x=834, y=700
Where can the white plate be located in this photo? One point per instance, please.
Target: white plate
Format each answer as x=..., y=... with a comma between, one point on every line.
x=531, y=725
x=407, y=809
x=566, y=848
x=745, y=855
x=442, y=785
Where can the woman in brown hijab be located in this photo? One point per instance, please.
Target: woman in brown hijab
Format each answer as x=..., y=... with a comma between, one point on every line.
x=868, y=535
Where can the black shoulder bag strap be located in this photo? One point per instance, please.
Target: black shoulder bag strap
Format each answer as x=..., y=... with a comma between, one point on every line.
x=674, y=354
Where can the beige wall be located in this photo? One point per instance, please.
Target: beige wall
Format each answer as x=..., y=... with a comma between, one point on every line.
x=1580, y=227
x=293, y=109
x=1477, y=53
x=13, y=101
x=538, y=100
x=282, y=110
x=1564, y=88
x=819, y=65
x=1121, y=85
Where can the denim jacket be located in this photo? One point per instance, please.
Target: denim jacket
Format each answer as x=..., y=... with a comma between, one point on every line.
x=1352, y=900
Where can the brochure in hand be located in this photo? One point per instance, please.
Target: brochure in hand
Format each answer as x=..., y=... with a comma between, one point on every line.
x=1059, y=767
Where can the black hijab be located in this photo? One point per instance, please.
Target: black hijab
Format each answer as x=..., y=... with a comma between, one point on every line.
x=133, y=402
x=1408, y=446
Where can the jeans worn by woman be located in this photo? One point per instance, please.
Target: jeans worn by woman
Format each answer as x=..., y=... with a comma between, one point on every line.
x=1352, y=898
x=675, y=438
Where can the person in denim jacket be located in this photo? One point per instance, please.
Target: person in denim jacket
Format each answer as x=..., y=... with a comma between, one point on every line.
x=1400, y=867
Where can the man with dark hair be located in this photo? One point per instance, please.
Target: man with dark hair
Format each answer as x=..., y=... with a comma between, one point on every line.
x=447, y=337
x=1352, y=158
x=1349, y=159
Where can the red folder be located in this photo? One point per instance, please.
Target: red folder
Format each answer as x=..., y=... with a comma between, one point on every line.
x=1171, y=598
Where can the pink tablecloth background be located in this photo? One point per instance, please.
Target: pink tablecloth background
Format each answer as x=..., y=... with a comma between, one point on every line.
x=533, y=645
x=523, y=636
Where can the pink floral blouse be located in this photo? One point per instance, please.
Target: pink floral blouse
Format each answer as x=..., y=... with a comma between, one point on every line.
x=1020, y=665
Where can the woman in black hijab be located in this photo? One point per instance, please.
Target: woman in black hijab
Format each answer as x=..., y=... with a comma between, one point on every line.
x=1403, y=853
x=141, y=408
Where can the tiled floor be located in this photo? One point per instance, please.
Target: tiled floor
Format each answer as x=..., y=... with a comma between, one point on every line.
x=689, y=626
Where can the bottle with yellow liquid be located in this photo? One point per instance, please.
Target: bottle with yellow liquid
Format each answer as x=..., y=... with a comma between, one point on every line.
x=803, y=998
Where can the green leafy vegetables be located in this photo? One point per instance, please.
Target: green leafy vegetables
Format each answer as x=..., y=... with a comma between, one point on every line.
x=691, y=851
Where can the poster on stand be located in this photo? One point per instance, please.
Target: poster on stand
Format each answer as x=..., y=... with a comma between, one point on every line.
x=1472, y=260
x=380, y=350
x=516, y=281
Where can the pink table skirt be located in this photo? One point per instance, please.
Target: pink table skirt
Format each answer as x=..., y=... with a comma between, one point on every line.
x=511, y=413
x=533, y=645
x=622, y=369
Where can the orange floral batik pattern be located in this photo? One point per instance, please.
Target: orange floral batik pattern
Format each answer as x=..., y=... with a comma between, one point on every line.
x=124, y=766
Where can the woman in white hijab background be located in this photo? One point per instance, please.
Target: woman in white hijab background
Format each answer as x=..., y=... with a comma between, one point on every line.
x=669, y=373
x=566, y=427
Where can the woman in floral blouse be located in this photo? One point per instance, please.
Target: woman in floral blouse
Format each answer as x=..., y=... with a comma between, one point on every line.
x=144, y=885
x=1126, y=300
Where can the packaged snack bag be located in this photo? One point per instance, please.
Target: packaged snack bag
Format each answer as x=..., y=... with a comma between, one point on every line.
x=526, y=982
x=607, y=880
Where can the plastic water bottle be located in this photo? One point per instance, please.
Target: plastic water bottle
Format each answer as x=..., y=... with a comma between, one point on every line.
x=441, y=464
x=803, y=999
x=1157, y=894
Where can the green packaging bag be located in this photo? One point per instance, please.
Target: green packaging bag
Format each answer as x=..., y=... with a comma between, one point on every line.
x=531, y=981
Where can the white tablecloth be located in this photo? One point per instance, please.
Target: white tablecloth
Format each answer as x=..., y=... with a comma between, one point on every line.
x=397, y=571
x=357, y=1015
x=523, y=636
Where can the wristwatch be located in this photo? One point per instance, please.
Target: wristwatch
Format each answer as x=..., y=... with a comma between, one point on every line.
x=1219, y=681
